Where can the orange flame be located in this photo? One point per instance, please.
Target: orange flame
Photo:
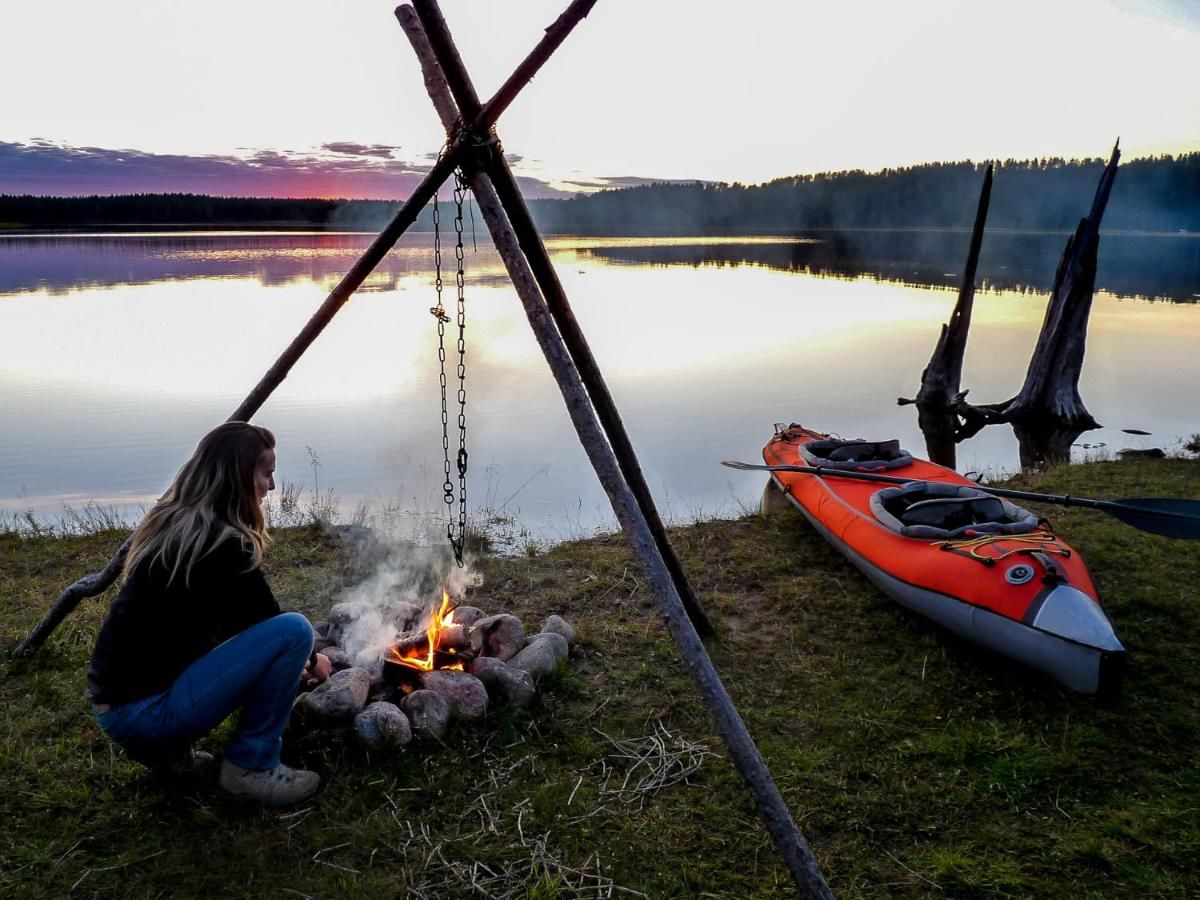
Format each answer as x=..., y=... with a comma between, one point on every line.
x=438, y=620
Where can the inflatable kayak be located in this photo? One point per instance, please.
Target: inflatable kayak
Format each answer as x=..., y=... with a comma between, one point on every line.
x=977, y=565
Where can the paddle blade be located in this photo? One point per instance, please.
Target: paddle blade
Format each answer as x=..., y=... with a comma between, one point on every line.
x=1168, y=516
x=744, y=466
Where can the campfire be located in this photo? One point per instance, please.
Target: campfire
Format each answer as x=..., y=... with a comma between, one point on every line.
x=443, y=644
x=405, y=671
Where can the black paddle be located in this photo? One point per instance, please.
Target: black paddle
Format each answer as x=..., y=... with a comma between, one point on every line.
x=1168, y=516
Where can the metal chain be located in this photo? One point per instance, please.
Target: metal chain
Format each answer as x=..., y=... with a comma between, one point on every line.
x=439, y=313
x=455, y=530
x=460, y=190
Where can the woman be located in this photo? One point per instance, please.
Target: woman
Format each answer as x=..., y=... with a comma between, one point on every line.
x=195, y=631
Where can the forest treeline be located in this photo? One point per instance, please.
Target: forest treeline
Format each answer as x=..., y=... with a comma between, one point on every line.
x=1157, y=194
x=24, y=211
x=1153, y=194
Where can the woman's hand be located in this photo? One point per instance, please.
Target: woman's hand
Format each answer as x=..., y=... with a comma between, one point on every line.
x=317, y=671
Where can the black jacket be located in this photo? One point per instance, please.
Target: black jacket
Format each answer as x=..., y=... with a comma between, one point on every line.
x=155, y=629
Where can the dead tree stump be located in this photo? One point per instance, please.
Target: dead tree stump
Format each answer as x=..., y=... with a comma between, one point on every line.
x=939, y=393
x=1048, y=412
x=941, y=378
x=1050, y=393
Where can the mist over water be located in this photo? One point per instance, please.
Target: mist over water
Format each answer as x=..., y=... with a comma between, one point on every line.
x=117, y=352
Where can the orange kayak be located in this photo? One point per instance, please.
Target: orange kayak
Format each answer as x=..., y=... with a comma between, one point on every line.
x=976, y=564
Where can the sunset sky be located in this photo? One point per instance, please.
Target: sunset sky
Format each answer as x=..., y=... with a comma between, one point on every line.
x=310, y=98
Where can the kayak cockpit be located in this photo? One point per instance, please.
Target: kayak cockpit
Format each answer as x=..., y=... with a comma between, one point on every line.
x=944, y=511
x=860, y=455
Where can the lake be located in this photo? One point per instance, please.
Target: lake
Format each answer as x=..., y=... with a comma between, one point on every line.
x=118, y=351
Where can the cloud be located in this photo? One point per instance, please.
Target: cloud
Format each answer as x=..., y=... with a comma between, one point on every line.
x=350, y=148
x=341, y=170
x=613, y=182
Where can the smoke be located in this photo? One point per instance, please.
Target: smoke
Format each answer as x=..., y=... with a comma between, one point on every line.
x=401, y=593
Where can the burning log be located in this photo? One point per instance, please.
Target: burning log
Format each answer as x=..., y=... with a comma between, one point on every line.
x=452, y=638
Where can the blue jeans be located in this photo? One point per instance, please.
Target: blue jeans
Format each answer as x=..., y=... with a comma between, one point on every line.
x=257, y=670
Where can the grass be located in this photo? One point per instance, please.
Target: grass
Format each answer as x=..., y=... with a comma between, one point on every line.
x=916, y=765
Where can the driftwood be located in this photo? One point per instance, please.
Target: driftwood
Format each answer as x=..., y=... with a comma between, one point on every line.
x=457, y=151
x=435, y=48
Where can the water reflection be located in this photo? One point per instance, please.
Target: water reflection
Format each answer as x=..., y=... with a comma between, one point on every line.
x=1156, y=267
x=120, y=352
x=62, y=263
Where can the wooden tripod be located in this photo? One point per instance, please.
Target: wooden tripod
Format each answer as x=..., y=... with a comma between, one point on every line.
x=473, y=146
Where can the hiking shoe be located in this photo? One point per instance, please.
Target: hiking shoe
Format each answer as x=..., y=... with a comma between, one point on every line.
x=280, y=786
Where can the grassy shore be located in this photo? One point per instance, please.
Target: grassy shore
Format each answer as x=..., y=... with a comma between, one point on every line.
x=916, y=764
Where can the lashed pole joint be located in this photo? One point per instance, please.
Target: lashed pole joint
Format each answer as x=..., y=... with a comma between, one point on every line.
x=458, y=150
x=771, y=806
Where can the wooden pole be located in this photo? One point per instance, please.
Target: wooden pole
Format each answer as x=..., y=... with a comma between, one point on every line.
x=467, y=101
x=771, y=806
x=96, y=583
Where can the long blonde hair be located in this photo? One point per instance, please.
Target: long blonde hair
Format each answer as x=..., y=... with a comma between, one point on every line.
x=212, y=498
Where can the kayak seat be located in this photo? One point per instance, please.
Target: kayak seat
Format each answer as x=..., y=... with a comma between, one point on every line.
x=942, y=511
x=954, y=512
x=860, y=455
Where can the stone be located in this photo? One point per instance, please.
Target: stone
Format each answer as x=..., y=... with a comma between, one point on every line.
x=404, y=614
x=466, y=695
x=342, y=616
x=468, y=615
x=505, y=685
x=500, y=636
x=321, y=644
x=541, y=656
x=338, y=658
x=378, y=685
x=382, y=726
x=340, y=697
x=429, y=713
x=321, y=638
x=559, y=625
